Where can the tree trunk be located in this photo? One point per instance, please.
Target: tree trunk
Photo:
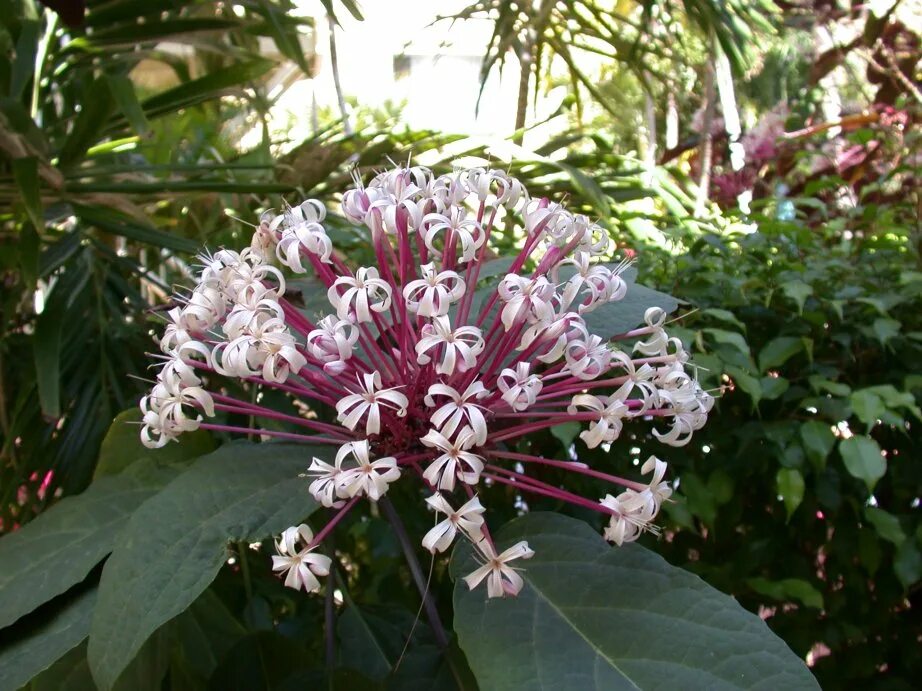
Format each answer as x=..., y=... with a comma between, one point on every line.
x=526, y=61
x=707, y=145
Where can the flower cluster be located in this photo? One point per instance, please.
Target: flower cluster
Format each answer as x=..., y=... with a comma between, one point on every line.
x=424, y=370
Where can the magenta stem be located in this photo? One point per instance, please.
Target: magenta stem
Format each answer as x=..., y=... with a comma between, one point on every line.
x=569, y=465
x=271, y=433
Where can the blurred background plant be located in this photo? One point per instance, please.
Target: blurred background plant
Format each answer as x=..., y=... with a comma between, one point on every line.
x=760, y=160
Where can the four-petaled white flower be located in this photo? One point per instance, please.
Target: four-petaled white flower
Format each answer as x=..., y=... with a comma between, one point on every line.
x=364, y=294
x=459, y=347
x=460, y=408
x=300, y=566
x=433, y=294
x=456, y=461
x=502, y=579
x=467, y=518
x=354, y=407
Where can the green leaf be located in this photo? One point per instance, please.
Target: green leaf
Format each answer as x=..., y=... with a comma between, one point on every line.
x=111, y=221
x=126, y=98
x=61, y=545
x=122, y=447
x=360, y=646
x=835, y=388
x=595, y=617
x=887, y=525
x=774, y=387
x=176, y=542
x=97, y=105
x=787, y=589
x=25, y=171
x=818, y=441
x=46, y=349
x=566, y=433
x=730, y=338
x=885, y=329
x=626, y=314
x=46, y=639
x=725, y=316
x=791, y=488
x=863, y=459
x=778, y=351
x=908, y=564
x=23, y=65
x=205, y=632
x=746, y=382
x=69, y=673
x=798, y=291
x=212, y=85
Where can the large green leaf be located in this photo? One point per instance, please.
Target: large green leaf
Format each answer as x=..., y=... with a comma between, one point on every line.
x=59, y=548
x=122, y=447
x=595, y=617
x=46, y=640
x=626, y=314
x=176, y=542
x=863, y=459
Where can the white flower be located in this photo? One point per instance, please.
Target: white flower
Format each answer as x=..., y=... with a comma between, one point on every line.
x=507, y=190
x=177, y=332
x=369, y=478
x=526, y=298
x=520, y=389
x=248, y=319
x=312, y=237
x=300, y=227
x=459, y=347
x=248, y=284
x=459, y=409
x=457, y=228
x=269, y=350
x=433, y=294
x=597, y=284
x=587, y=359
x=205, y=308
x=658, y=490
x=539, y=214
x=301, y=567
x=351, y=409
x=468, y=518
x=689, y=405
x=658, y=341
x=502, y=579
x=333, y=343
x=554, y=337
x=327, y=485
x=364, y=293
x=177, y=373
x=631, y=515
x=612, y=412
x=456, y=461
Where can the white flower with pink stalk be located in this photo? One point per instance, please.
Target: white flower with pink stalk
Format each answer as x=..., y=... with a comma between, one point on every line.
x=418, y=372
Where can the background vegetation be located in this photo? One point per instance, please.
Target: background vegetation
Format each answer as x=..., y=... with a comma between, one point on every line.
x=800, y=497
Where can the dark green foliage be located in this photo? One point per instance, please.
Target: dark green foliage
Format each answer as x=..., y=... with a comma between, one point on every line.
x=800, y=496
